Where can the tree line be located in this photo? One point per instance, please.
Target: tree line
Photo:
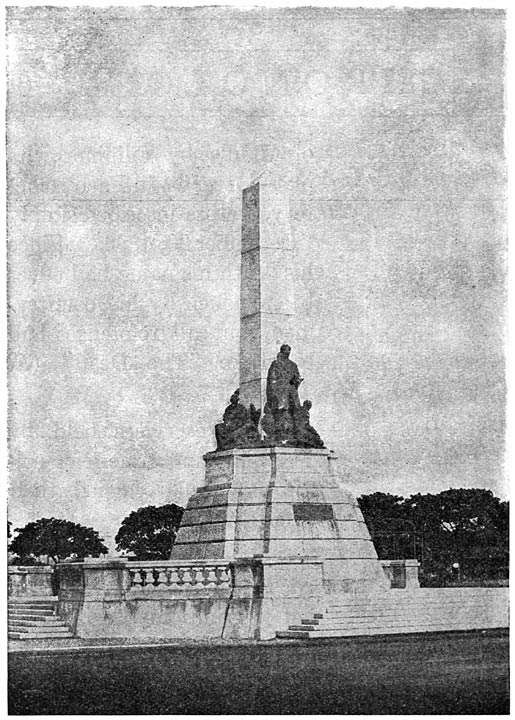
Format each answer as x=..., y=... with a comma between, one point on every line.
x=458, y=535
x=146, y=534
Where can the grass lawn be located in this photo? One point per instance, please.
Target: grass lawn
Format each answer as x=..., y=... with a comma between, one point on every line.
x=444, y=674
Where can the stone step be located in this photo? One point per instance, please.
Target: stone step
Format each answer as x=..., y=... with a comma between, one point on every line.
x=376, y=623
x=383, y=609
x=32, y=603
x=14, y=635
x=36, y=619
x=404, y=600
x=31, y=606
x=40, y=622
x=398, y=596
x=26, y=633
x=31, y=614
x=39, y=607
x=44, y=622
x=389, y=617
x=369, y=612
x=33, y=598
x=364, y=631
x=395, y=595
x=420, y=616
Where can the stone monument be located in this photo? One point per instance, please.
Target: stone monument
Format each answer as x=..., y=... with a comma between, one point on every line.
x=272, y=544
x=272, y=490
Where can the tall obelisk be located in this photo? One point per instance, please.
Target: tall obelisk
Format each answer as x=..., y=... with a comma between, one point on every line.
x=266, y=301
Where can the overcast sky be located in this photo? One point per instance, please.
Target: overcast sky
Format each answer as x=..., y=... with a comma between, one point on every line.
x=131, y=135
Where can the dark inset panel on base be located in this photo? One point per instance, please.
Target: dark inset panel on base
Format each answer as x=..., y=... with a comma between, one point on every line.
x=312, y=511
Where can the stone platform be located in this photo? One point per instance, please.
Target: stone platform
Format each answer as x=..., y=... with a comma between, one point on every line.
x=280, y=502
x=400, y=612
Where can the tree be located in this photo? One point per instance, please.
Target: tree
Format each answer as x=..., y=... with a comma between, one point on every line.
x=56, y=538
x=149, y=532
x=385, y=517
x=465, y=527
x=459, y=535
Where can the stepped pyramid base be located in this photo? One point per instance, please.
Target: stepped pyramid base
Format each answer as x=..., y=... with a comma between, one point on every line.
x=295, y=535
x=280, y=503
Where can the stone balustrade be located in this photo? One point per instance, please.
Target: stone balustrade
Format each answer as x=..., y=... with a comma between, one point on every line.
x=172, y=598
x=186, y=575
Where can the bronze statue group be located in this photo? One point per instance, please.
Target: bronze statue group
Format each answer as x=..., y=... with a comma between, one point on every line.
x=284, y=422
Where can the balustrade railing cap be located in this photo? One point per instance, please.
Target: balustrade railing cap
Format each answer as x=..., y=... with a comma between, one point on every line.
x=178, y=563
x=290, y=560
x=95, y=563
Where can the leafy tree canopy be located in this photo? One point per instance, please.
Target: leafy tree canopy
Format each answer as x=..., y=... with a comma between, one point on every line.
x=460, y=527
x=59, y=539
x=149, y=532
x=380, y=509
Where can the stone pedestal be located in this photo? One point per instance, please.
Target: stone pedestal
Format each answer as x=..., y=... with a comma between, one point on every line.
x=280, y=503
x=402, y=573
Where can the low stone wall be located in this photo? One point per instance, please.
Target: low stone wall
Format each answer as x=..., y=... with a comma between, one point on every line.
x=249, y=598
x=150, y=599
x=245, y=599
x=476, y=608
x=29, y=581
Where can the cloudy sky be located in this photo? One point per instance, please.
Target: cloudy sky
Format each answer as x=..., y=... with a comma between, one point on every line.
x=131, y=133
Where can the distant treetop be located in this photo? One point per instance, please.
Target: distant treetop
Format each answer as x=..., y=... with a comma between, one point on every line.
x=149, y=532
x=59, y=539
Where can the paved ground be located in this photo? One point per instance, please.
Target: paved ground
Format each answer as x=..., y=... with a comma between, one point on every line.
x=443, y=674
x=76, y=644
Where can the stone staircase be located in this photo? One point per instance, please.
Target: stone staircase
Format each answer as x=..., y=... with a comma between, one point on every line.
x=35, y=620
x=396, y=612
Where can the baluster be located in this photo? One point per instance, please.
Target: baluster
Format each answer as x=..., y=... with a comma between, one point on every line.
x=210, y=576
x=160, y=576
x=224, y=576
x=186, y=575
x=136, y=577
x=175, y=578
x=149, y=578
x=142, y=575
